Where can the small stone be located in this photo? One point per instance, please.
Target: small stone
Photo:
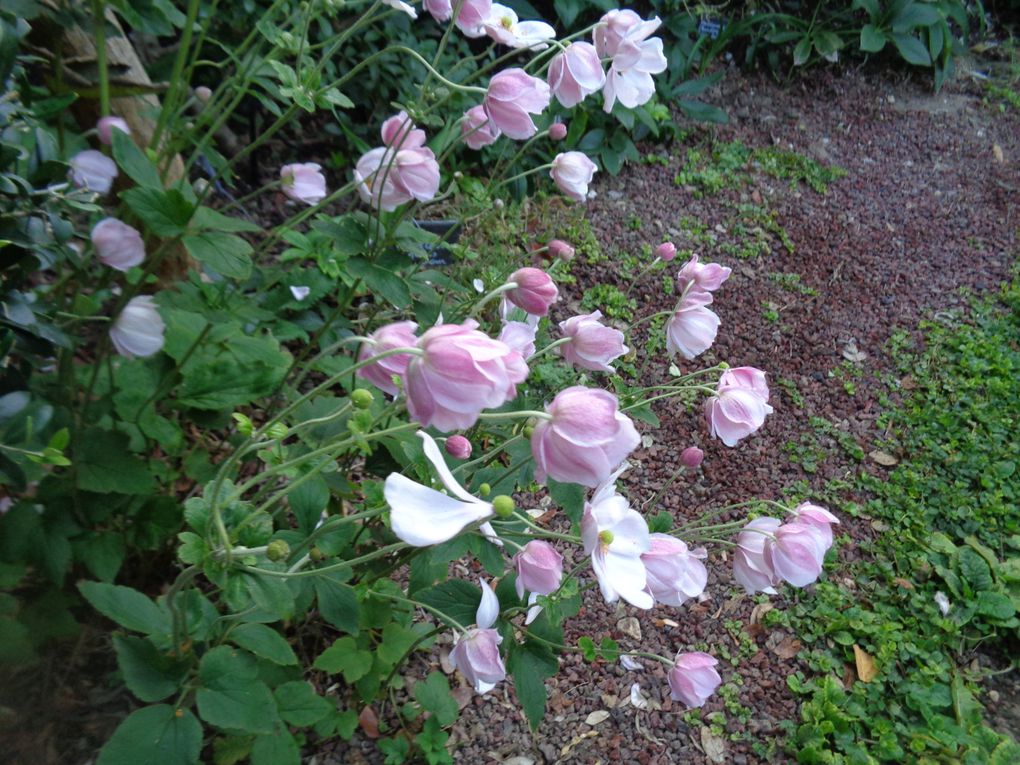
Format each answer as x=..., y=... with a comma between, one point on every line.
x=630, y=627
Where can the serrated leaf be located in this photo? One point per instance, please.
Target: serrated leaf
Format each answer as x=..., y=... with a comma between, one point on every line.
x=156, y=735
x=128, y=607
x=529, y=665
x=996, y=605
x=165, y=213
x=433, y=694
x=345, y=657
x=279, y=748
x=300, y=705
x=338, y=603
x=231, y=695
x=148, y=674
x=226, y=254
x=456, y=598
x=265, y=642
x=133, y=161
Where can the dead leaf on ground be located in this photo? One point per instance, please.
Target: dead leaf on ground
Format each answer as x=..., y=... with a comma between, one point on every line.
x=848, y=677
x=565, y=751
x=883, y=458
x=997, y=151
x=369, y=722
x=853, y=354
x=463, y=695
x=713, y=746
x=908, y=383
x=639, y=700
x=596, y=717
x=759, y=611
x=866, y=669
x=906, y=584
x=788, y=648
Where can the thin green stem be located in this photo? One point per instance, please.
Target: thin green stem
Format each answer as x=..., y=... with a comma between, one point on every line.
x=99, y=12
x=554, y=344
x=175, y=75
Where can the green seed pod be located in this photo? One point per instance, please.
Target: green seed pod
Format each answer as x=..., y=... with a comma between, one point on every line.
x=362, y=398
x=503, y=506
x=278, y=431
x=485, y=490
x=316, y=554
x=278, y=550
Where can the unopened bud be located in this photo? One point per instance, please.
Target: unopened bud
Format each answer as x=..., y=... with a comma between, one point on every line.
x=691, y=456
x=560, y=249
x=723, y=365
x=277, y=431
x=503, y=506
x=458, y=447
x=362, y=398
x=244, y=424
x=203, y=94
x=498, y=204
x=277, y=550
x=485, y=490
x=665, y=251
x=316, y=554
x=201, y=185
x=557, y=131
x=529, y=431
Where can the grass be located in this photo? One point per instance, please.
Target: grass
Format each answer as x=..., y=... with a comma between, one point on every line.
x=948, y=518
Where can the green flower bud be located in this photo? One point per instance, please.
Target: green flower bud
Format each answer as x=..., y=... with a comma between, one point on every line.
x=503, y=506
x=316, y=554
x=244, y=424
x=723, y=365
x=528, y=431
x=277, y=550
x=485, y=490
x=278, y=431
x=362, y=398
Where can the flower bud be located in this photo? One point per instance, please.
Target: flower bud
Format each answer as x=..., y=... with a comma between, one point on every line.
x=691, y=456
x=277, y=550
x=362, y=399
x=557, y=131
x=203, y=94
x=539, y=568
x=458, y=447
x=503, y=506
x=244, y=424
x=665, y=251
x=485, y=490
x=106, y=126
x=277, y=431
x=535, y=291
x=560, y=249
x=316, y=554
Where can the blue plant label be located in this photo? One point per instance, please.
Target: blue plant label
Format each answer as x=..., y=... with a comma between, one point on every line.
x=710, y=28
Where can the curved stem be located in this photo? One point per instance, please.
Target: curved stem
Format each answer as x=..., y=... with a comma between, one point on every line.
x=551, y=346
x=519, y=414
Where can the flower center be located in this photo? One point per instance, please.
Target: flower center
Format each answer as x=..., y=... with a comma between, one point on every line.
x=606, y=537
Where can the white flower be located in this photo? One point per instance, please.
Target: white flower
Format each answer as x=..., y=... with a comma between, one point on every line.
x=503, y=27
x=138, y=331
x=635, y=61
x=402, y=6
x=942, y=602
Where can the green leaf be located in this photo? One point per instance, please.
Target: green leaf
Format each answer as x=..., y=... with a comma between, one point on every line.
x=103, y=553
x=873, y=39
x=165, y=213
x=271, y=594
x=384, y=282
x=231, y=750
x=396, y=639
x=308, y=500
x=231, y=695
x=105, y=465
x=995, y=605
x=129, y=608
x=456, y=598
x=338, y=603
x=975, y=570
x=207, y=218
x=394, y=749
x=345, y=657
x=133, y=161
x=915, y=15
x=569, y=496
x=300, y=705
x=802, y=52
x=912, y=49
x=226, y=254
x=156, y=735
x=433, y=694
x=280, y=748
x=148, y=673
x=529, y=665
x=265, y=642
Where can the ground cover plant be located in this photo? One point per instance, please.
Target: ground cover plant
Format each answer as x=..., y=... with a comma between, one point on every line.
x=231, y=436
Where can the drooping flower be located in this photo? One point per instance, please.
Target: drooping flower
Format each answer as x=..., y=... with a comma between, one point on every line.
x=586, y=438
x=691, y=457
x=477, y=129
x=304, y=182
x=503, y=27
x=399, y=334
x=93, y=170
x=675, y=573
x=750, y=568
x=400, y=5
x=458, y=447
x=560, y=249
x=618, y=25
x=106, y=126
x=616, y=536
x=665, y=252
x=460, y=372
x=557, y=131
x=520, y=336
x=817, y=518
x=139, y=329
x=573, y=171
x=592, y=344
x=472, y=17
x=539, y=568
x=117, y=244
x=476, y=653
x=422, y=516
x=512, y=97
x=693, y=327
x=535, y=291
x=693, y=678
x=707, y=277
x=576, y=73
x=387, y=178
x=629, y=80
x=796, y=553
x=399, y=132
x=739, y=406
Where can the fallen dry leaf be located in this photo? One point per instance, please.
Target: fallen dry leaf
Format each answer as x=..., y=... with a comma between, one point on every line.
x=596, y=717
x=759, y=611
x=639, y=700
x=866, y=669
x=565, y=751
x=883, y=458
x=712, y=745
x=997, y=151
x=788, y=648
x=852, y=353
x=369, y=722
x=906, y=584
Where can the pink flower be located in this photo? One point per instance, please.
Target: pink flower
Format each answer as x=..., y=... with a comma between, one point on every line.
x=458, y=447
x=817, y=518
x=139, y=329
x=520, y=336
x=303, y=182
x=477, y=129
x=630, y=75
x=616, y=536
x=441, y=10
x=503, y=27
x=576, y=73
x=387, y=179
x=573, y=171
x=693, y=328
x=557, y=131
x=513, y=96
x=106, y=126
x=739, y=406
x=674, y=573
x=203, y=93
x=592, y=344
x=117, y=244
x=692, y=456
x=693, y=678
x=665, y=252
x=472, y=17
x=422, y=516
x=417, y=173
x=476, y=653
x=400, y=334
x=93, y=170
x=707, y=277
x=459, y=373
x=399, y=132
x=560, y=249
x=586, y=438
x=535, y=291
x=539, y=568
x=750, y=568
x=617, y=25
x=796, y=553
